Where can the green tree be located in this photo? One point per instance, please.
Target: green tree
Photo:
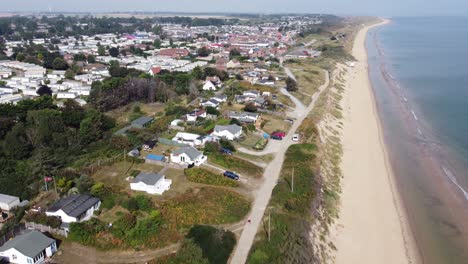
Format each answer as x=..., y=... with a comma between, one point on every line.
x=203, y=52
x=70, y=74
x=197, y=73
x=101, y=50
x=20, y=57
x=189, y=253
x=44, y=90
x=291, y=85
x=79, y=57
x=157, y=43
x=59, y=64
x=93, y=126
x=114, y=52
x=91, y=59
x=16, y=144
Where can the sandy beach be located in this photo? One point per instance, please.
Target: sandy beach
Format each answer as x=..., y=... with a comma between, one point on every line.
x=372, y=227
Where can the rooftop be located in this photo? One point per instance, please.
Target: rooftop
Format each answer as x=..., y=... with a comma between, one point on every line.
x=29, y=244
x=4, y=198
x=192, y=152
x=149, y=178
x=74, y=205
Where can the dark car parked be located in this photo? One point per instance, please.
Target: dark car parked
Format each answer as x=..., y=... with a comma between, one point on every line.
x=226, y=151
x=231, y=175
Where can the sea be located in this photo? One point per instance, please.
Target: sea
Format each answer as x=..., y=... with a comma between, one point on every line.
x=418, y=68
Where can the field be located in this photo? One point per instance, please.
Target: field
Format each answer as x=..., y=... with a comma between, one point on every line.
x=308, y=75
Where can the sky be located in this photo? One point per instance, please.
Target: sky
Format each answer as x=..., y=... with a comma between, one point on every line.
x=340, y=7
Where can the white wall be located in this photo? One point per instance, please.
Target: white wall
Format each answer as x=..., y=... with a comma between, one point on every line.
x=159, y=188
x=8, y=206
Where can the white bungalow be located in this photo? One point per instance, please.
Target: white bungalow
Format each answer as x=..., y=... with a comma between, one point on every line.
x=75, y=208
x=32, y=247
x=188, y=156
x=229, y=132
x=150, y=182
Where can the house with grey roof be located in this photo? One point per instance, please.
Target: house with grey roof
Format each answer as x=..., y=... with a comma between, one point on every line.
x=150, y=182
x=244, y=117
x=75, y=208
x=138, y=123
x=188, y=156
x=32, y=247
x=229, y=132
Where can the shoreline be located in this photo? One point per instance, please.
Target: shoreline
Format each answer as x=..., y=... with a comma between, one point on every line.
x=373, y=226
x=438, y=227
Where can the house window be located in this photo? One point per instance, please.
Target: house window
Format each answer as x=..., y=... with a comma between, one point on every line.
x=182, y=159
x=14, y=256
x=29, y=260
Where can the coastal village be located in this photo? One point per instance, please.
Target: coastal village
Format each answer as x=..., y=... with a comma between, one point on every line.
x=173, y=128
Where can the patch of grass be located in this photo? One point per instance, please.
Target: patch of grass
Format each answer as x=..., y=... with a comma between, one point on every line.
x=235, y=164
x=262, y=158
x=300, y=162
x=207, y=177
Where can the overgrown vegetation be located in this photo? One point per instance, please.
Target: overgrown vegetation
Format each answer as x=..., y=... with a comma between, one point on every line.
x=203, y=244
x=146, y=224
x=207, y=177
x=291, y=209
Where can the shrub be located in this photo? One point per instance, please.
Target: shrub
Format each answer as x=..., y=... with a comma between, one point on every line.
x=216, y=244
x=211, y=147
x=227, y=145
x=40, y=218
x=291, y=85
x=138, y=203
x=250, y=107
x=212, y=111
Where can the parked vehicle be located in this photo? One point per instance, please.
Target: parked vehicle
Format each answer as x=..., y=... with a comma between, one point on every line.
x=231, y=175
x=279, y=134
x=289, y=120
x=276, y=137
x=295, y=137
x=274, y=97
x=226, y=151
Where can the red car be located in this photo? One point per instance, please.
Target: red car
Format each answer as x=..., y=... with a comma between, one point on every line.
x=278, y=134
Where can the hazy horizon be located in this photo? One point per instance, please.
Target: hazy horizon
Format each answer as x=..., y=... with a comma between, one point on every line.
x=343, y=7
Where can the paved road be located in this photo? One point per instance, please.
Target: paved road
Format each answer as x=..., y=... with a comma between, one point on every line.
x=298, y=111
x=270, y=177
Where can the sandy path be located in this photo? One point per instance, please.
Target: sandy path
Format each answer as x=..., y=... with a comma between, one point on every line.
x=371, y=228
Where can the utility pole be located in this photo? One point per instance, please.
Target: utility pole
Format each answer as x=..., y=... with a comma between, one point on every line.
x=269, y=225
x=55, y=187
x=292, y=181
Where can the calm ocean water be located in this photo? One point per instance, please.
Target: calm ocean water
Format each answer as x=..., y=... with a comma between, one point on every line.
x=419, y=71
